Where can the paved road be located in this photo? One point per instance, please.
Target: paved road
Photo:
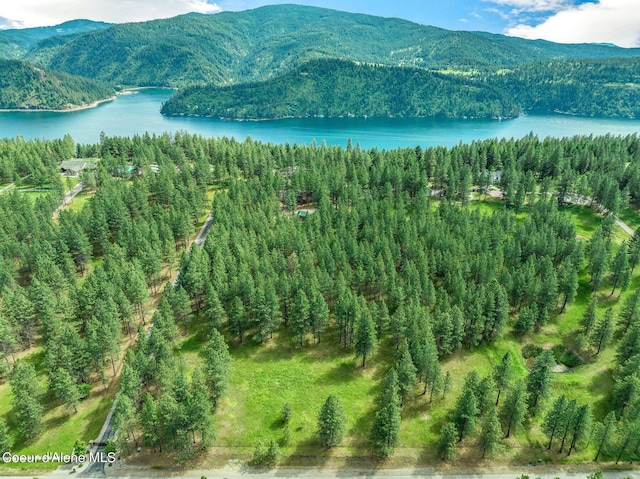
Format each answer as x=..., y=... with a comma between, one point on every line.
x=199, y=241
x=69, y=195
x=245, y=473
x=11, y=185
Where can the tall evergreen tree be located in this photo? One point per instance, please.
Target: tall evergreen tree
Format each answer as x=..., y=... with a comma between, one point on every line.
x=514, y=407
x=217, y=362
x=589, y=317
x=604, y=433
x=447, y=442
x=66, y=390
x=6, y=441
x=385, y=431
x=332, y=422
x=503, y=374
x=539, y=378
x=620, y=269
x=490, y=433
x=555, y=419
x=300, y=315
x=237, y=319
x=603, y=331
x=26, y=399
x=465, y=414
x=366, y=340
x=406, y=371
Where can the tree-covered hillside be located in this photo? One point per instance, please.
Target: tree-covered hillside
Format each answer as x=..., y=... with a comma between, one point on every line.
x=16, y=43
x=24, y=86
x=606, y=87
x=233, y=47
x=336, y=88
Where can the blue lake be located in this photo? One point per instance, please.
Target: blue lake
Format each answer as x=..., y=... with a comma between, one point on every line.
x=139, y=112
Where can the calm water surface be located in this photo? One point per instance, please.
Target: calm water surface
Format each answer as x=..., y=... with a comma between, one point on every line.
x=139, y=113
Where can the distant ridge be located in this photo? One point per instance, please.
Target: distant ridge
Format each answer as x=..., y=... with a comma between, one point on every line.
x=254, y=45
x=16, y=43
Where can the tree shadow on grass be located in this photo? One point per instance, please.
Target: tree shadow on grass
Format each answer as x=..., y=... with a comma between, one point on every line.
x=341, y=373
x=308, y=453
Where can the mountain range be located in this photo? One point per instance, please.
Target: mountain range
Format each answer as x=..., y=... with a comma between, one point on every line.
x=233, y=48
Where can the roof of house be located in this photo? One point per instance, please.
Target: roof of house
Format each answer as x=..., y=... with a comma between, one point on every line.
x=77, y=164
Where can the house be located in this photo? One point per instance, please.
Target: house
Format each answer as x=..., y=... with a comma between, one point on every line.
x=75, y=166
x=496, y=177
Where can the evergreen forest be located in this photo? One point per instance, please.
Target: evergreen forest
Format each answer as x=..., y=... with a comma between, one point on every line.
x=467, y=304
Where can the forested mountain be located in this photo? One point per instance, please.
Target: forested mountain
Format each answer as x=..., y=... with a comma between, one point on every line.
x=606, y=87
x=16, y=43
x=234, y=47
x=335, y=88
x=24, y=86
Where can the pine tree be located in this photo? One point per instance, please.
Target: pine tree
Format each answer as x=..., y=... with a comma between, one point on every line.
x=213, y=310
x=318, y=315
x=604, y=434
x=514, y=407
x=66, y=390
x=589, y=318
x=539, y=378
x=503, y=374
x=390, y=388
x=581, y=426
x=603, y=331
x=620, y=268
x=526, y=320
x=385, y=431
x=199, y=413
x=366, y=341
x=406, y=371
x=446, y=384
x=447, y=442
x=634, y=250
x=26, y=399
x=6, y=441
x=490, y=433
x=150, y=422
x=237, y=319
x=629, y=314
x=567, y=283
x=485, y=394
x=300, y=312
x=568, y=421
x=217, y=362
x=465, y=414
x=332, y=422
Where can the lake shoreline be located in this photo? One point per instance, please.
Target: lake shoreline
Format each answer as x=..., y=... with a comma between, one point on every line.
x=88, y=106
x=66, y=110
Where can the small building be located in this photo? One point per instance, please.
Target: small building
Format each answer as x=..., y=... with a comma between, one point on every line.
x=75, y=166
x=496, y=177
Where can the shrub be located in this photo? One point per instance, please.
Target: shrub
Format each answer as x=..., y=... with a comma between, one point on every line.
x=266, y=455
x=531, y=351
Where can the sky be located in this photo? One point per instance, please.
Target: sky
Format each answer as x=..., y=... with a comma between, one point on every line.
x=565, y=21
